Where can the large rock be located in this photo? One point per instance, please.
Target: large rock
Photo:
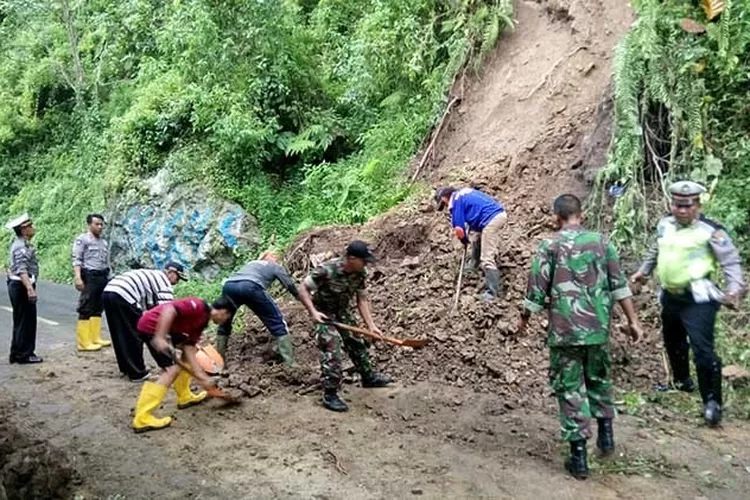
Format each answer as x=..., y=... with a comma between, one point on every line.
x=163, y=221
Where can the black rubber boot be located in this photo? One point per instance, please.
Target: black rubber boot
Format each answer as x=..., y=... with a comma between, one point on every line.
x=376, y=380
x=492, y=283
x=577, y=464
x=686, y=385
x=712, y=411
x=605, y=439
x=332, y=401
x=476, y=257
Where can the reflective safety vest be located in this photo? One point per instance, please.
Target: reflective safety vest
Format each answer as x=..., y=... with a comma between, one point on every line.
x=684, y=253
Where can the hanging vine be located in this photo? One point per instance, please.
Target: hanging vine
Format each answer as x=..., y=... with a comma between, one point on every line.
x=681, y=91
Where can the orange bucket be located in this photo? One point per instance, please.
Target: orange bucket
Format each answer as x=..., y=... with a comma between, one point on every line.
x=209, y=359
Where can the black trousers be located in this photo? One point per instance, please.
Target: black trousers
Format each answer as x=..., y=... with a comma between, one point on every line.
x=90, y=301
x=682, y=319
x=24, y=322
x=162, y=360
x=122, y=319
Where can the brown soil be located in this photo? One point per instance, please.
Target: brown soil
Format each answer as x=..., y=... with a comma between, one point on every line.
x=470, y=415
x=29, y=466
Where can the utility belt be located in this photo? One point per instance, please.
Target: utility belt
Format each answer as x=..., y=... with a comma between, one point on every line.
x=701, y=290
x=95, y=272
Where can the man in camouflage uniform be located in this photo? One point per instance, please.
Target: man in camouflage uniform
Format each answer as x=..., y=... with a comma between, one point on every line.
x=579, y=273
x=333, y=284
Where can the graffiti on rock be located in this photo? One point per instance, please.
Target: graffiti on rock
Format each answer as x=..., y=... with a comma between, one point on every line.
x=164, y=221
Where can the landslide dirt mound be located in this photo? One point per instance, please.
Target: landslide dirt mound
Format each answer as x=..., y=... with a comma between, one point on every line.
x=536, y=124
x=30, y=467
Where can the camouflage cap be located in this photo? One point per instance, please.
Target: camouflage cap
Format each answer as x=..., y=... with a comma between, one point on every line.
x=686, y=189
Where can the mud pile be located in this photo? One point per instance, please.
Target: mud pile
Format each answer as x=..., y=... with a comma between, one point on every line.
x=535, y=125
x=29, y=467
x=412, y=289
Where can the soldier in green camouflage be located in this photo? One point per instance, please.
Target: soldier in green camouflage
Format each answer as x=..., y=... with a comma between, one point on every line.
x=577, y=276
x=332, y=285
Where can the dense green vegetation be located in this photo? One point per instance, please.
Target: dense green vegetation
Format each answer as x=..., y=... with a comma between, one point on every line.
x=303, y=111
x=682, y=101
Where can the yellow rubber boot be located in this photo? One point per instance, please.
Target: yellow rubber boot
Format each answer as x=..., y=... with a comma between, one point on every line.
x=185, y=397
x=96, y=332
x=83, y=336
x=152, y=395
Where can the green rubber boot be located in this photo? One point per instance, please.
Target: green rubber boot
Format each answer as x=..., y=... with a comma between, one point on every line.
x=286, y=349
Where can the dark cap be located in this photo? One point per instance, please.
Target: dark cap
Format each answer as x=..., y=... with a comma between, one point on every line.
x=440, y=193
x=359, y=249
x=178, y=268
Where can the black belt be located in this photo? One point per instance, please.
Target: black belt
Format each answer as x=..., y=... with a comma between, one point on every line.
x=97, y=272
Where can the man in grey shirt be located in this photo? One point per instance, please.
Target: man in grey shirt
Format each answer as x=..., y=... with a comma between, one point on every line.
x=91, y=271
x=248, y=287
x=22, y=276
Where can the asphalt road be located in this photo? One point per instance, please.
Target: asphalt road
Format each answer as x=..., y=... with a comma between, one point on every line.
x=56, y=318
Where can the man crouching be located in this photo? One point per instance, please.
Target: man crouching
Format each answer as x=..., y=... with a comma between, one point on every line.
x=182, y=322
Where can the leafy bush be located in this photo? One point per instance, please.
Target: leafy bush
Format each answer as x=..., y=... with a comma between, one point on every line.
x=304, y=112
x=681, y=105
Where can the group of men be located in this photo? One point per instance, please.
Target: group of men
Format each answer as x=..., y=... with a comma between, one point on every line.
x=141, y=309
x=576, y=276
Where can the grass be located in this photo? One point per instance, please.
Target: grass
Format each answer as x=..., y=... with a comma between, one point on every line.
x=636, y=465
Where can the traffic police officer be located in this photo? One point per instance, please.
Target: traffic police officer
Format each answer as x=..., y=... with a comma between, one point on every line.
x=22, y=276
x=687, y=250
x=91, y=272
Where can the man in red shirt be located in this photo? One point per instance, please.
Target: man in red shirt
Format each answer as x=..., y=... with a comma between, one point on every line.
x=182, y=322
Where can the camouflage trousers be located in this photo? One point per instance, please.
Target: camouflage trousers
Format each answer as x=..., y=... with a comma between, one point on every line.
x=582, y=381
x=331, y=342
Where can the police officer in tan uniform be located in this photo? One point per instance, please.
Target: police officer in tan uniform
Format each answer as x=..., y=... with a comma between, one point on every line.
x=22, y=276
x=91, y=270
x=688, y=249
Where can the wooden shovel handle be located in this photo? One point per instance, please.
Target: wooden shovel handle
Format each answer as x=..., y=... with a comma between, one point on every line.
x=362, y=331
x=416, y=343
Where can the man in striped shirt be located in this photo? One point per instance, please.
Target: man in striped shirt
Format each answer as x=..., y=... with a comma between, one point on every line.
x=125, y=299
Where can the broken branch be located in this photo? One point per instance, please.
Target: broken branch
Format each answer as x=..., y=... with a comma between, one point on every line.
x=428, y=151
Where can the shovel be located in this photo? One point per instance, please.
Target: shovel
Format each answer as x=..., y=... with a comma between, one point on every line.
x=212, y=390
x=416, y=343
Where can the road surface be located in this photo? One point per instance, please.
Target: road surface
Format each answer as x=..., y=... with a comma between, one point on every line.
x=56, y=318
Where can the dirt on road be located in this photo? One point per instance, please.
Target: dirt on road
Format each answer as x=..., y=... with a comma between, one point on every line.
x=470, y=415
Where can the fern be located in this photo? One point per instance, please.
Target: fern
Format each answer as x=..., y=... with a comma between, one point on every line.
x=701, y=80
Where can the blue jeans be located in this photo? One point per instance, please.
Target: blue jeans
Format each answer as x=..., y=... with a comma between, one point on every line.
x=252, y=295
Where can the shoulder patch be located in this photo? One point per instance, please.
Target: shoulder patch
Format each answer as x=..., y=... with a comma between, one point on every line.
x=720, y=237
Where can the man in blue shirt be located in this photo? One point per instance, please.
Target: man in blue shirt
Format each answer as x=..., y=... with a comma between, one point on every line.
x=482, y=214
